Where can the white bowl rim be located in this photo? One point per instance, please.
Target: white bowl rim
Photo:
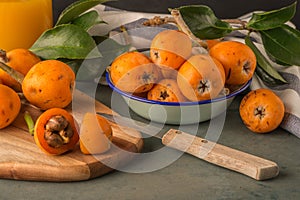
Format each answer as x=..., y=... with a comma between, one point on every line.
x=187, y=103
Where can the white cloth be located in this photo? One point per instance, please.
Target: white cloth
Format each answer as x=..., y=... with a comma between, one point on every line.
x=289, y=93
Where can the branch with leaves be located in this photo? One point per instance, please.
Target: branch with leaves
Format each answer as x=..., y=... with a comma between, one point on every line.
x=280, y=41
x=70, y=41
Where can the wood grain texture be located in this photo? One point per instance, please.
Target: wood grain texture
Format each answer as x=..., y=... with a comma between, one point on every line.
x=21, y=159
x=244, y=163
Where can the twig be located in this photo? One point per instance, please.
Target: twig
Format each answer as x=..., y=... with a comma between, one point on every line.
x=25, y=102
x=157, y=20
x=13, y=73
x=184, y=28
x=236, y=21
x=176, y=19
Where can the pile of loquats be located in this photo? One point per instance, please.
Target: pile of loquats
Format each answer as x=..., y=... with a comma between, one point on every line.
x=174, y=72
x=47, y=85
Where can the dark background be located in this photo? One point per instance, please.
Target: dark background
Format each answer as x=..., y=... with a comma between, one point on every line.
x=223, y=8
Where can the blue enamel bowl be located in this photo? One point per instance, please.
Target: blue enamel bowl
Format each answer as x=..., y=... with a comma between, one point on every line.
x=178, y=113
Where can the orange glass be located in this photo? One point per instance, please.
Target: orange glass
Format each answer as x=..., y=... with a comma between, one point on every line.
x=23, y=21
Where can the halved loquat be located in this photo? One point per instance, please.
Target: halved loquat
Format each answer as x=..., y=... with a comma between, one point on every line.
x=56, y=131
x=95, y=134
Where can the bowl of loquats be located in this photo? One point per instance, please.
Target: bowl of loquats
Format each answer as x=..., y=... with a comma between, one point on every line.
x=176, y=82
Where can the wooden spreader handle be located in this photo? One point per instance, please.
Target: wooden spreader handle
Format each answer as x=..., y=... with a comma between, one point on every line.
x=244, y=163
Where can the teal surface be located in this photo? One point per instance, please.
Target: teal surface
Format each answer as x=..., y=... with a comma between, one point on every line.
x=186, y=178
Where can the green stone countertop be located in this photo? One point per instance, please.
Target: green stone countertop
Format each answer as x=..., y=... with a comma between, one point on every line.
x=188, y=177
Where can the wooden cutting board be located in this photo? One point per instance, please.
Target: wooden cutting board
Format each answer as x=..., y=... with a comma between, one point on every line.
x=20, y=157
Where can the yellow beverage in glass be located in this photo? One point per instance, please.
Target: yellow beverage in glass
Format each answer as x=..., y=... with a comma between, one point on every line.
x=23, y=21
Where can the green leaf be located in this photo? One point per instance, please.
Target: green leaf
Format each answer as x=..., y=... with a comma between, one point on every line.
x=203, y=23
x=65, y=41
x=272, y=19
x=266, y=78
x=75, y=9
x=282, y=44
x=264, y=68
x=93, y=68
x=88, y=20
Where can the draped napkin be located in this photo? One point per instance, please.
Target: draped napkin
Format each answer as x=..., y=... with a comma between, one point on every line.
x=289, y=93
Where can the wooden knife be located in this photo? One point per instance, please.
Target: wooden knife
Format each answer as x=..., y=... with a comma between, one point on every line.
x=236, y=160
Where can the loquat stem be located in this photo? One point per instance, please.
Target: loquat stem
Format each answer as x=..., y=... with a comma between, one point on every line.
x=3, y=57
x=29, y=121
x=126, y=36
x=13, y=73
x=127, y=39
